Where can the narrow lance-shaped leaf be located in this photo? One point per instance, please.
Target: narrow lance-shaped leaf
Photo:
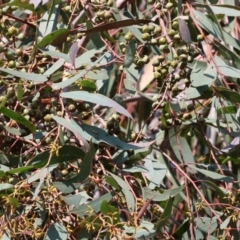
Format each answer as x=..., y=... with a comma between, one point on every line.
x=29, y=76
x=184, y=31
x=54, y=38
x=57, y=231
x=97, y=99
x=130, y=53
x=18, y=118
x=66, y=153
x=95, y=205
x=86, y=166
x=118, y=24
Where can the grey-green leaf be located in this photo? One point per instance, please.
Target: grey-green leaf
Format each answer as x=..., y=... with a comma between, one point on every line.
x=130, y=53
x=95, y=205
x=97, y=99
x=29, y=76
x=57, y=231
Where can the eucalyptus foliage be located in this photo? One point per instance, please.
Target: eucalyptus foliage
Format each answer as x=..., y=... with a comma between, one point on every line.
x=119, y=119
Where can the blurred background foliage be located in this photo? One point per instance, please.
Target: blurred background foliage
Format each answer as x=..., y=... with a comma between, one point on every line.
x=119, y=119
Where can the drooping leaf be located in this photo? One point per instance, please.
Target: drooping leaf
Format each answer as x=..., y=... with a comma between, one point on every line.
x=99, y=135
x=157, y=196
x=29, y=76
x=54, y=67
x=213, y=175
x=77, y=199
x=20, y=92
x=166, y=213
x=4, y=186
x=227, y=110
x=66, y=153
x=106, y=208
x=205, y=226
x=232, y=96
x=181, y=148
x=97, y=99
x=94, y=36
x=73, y=127
x=66, y=187
x=86, y=166
x=20, y=170
x=68, y=82
x=118, y=24
x=125, y=189
x=21, y=4
x=95, y=205
x=130, y=53
x=225, y=9
x=57, y=231
x=55, y=38
x=18, y=118
x=184, y=31
x=184, y=227
x=157, y=172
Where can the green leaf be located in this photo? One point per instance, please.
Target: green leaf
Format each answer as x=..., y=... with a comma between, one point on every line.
x=95, y=205
x=157, y=196
x=97, y=99
x=66, y=153
x=165, y=215
x=227, y=110
x=182, y=229
x=73, y=127
x=22, y=4
x=68, y=82
x=118, y=24
x=18, y=118
x=130, y=53
x=29, y=76
x=88, y=85
x=94, y=36
x=112, y=182
x=54, y=38
x=213, y=175
x=8, y=160
x=86, y=166
x=53, y=9
x=107, y=209
x=137, y=157
x=19, y=170
x=20, y=92
x=125, y=189
x=57, y=231
x=13, y=202
x=232, y=96
x=184, y=31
